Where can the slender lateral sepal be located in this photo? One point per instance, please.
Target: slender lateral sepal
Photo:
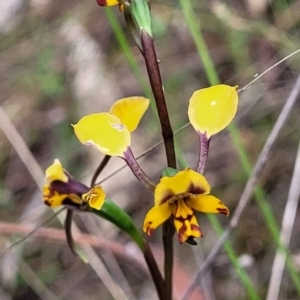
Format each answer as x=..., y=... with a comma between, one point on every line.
x=68, y=230
x=100, y=168
x=137, y=171
x=203, y=152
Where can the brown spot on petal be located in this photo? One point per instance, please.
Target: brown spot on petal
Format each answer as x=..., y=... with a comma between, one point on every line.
x=149, y=230
x=223, y=211
x=101, y=2
x=197, y=228
x=196, y=190
x=181, y=233
x=166, y=197
x=47, y=202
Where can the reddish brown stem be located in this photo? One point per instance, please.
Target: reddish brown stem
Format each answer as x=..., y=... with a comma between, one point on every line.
x=157, y=89
x=154, y=271
x=167, y=133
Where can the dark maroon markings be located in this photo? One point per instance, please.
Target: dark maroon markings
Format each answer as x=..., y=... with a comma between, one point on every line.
x=223, y=211
x=196, y=190
x=169, y=194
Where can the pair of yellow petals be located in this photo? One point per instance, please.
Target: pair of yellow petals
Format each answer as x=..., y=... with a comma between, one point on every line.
x=210, y=111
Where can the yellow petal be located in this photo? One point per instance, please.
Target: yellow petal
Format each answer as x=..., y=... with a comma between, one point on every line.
x=212, y=109
x=187, y=229
x=156, y=216
x=130, y=110
x=184, y=182
x=105, y=132
x=53, y=198
x=107, y=2
x=95, y=197
x=208, y=204
x=182, y=210
x=55, y=172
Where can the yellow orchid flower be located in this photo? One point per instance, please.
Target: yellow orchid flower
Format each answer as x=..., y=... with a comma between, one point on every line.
x=212, y=109
x=179, y=197
x=110, y=132
x=61, y=188
x=108, y=2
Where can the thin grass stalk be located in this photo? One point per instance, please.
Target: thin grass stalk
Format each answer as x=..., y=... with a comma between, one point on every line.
x=125, y=47
x=288, y=220
x=34, y=281
x=28, y=234
x=245, y=279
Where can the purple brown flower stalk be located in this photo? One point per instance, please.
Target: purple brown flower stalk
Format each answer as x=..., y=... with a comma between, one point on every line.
x=157, y=89
x=167, y=133
x=203, y=153
x=137, y=171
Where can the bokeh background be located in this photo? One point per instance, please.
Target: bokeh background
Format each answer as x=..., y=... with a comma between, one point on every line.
x=60, y=60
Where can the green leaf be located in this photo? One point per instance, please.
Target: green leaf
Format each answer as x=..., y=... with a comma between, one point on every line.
x=114, y=214
x=141, y=15
x=169, y=172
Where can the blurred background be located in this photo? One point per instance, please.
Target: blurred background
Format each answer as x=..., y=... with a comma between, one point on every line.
x=60, y=60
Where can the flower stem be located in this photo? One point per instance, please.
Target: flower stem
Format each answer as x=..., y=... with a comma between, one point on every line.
x=167, y=133
x=167, y=235
x=203, y=152
x=137, y=171
x=154, y=271
x=156, y=85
